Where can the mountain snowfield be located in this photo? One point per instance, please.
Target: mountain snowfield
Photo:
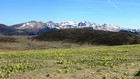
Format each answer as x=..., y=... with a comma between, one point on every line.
x=68, y=24
x=35, y=28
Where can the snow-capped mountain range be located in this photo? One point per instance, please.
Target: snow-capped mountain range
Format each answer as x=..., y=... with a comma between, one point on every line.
x=34, y=27
x=68, y=24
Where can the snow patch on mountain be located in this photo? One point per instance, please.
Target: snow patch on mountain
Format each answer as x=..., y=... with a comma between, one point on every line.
x=34, y=26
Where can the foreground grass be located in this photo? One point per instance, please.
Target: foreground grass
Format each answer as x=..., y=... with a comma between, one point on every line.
x=103, y=62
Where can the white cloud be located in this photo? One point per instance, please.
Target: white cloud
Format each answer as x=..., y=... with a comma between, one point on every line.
x=99, y=1
x=128, y=3
x=113, y=4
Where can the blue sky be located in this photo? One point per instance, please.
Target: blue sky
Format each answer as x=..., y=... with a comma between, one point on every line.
x=125, y=13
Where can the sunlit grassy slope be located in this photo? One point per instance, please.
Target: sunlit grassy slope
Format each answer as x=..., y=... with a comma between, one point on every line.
x=102, y=62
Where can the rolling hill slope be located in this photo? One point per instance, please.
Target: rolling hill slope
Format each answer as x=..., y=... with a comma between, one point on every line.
x=82, y=36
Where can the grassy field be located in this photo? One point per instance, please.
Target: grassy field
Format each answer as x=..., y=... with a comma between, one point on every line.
x=20, y=43
x=93, y=62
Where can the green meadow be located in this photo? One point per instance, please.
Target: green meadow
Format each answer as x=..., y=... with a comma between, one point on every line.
x=90, y=62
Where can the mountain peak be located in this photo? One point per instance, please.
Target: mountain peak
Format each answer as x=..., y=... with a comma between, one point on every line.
x=34, y=27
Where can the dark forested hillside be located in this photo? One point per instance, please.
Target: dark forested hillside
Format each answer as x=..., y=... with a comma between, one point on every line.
x=6, y=30
x=82, y=36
